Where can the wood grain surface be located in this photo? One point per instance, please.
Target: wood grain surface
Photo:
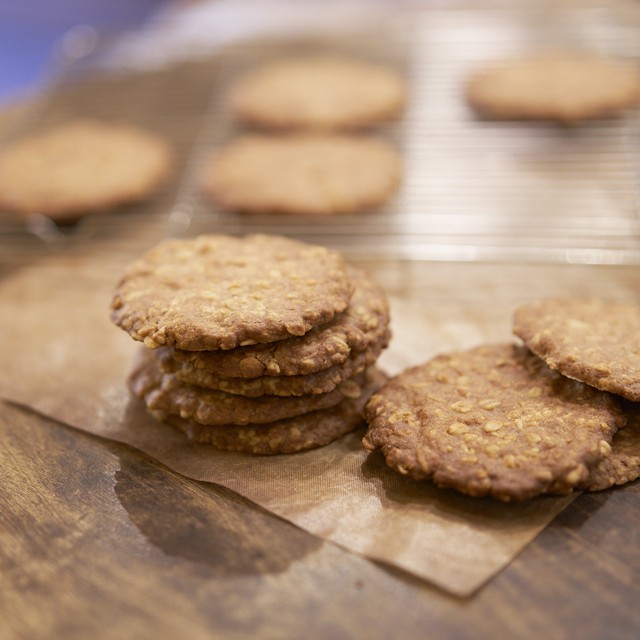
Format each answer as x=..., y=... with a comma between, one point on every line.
x=97, y=540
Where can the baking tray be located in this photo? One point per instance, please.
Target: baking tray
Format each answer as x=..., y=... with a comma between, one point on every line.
x=472, y=191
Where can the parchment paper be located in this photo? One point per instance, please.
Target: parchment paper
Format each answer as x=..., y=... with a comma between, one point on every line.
x=67, y=360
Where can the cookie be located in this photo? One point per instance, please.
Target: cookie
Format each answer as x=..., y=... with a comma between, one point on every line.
x=623, y=465
x=493, y=420
x=81, y=167
x=562, y=87
x=220, y=292
x=319, y=175
x=364, y=323
x=313, y=383
x=324, y=92
x=594, y=341
x=164, y=392
x=291, y=435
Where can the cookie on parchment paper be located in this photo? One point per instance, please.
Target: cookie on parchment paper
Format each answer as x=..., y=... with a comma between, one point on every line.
x=291, y=435
x=623, y=465
x=81, y=167
x=221, y=292
x=164, y=392
x=305, y=174
x=321, y=92
x=364, y=323
x=313, y=383
x=589, y=339
x=493, y=420
x=555, y=86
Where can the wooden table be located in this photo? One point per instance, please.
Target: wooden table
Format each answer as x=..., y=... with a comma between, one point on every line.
x=97, y=540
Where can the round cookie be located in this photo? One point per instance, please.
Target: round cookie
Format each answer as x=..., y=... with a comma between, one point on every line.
x=81, y=167
x=164, y=392
x=364, y=323
x=312, y=383
x=318, y=92
x=591, y=340
x=562, y=87
x=307, y=431
x=494, y=420
x=220, y=292
x=623, y=465
x=319, y=175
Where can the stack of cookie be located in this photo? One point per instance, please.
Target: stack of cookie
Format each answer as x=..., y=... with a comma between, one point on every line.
x=515, y=421
x=315, y=169
x=258, y=344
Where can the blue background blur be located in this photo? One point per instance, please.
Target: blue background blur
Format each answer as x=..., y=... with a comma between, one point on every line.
x=29, y=30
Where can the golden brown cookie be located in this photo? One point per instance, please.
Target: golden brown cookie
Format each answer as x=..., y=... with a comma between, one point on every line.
x=291, y=435
x=220, y=292
x=312, y=383
x=595, y=341
x=319, y=92
x=81, y=167
x=562, y=87
x=364, y=323
x=164, y=392
x=623, y=465
x=494, y=420
x=319, y=175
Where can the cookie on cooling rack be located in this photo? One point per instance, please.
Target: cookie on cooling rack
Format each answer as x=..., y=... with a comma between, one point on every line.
x=319, y=175
x=299, y=326
x=592, y=340
x=221, y=292
x=361, y=329
x=81, y=167
x=555, y=86
x=321, y=92
x=493, y=420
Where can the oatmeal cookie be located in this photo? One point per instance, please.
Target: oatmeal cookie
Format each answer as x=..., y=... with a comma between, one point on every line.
x=589, y=339
x=562, y=87
x=164, y=392
x=220, y=292
x=493, y=420
x=81, y=167
x=305, y=174
x=364, y=323
x=291, y=435
x=324, y=92
x=312, y=383
x=623, y=465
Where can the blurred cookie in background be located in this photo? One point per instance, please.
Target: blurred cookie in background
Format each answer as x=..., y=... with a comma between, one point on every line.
x=321, y=92
x=81, y=167
x=311, y=174
x=562, y=87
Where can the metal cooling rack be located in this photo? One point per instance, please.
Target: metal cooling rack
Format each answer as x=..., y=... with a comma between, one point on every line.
x=473, y=190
